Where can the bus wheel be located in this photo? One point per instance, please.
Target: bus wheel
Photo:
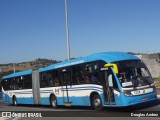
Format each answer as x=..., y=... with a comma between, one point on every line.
x=53, y=101
x=14, y=101
x=97, y=102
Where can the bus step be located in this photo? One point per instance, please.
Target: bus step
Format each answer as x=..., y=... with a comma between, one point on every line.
x=68, y=104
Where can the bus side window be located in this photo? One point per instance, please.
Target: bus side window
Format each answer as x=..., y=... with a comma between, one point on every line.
x=78, y=74
x=27, y=82
x=92, y=73
x=65, y=76
x=20, y=82
x=43, y=79
x=6, y=84
x=53, y=79
x=49, y=78
x=14, y=84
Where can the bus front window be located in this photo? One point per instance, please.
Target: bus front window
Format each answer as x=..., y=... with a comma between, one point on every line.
x=133, y=73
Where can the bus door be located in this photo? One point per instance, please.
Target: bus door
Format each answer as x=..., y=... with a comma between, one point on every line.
x=65, y=77
x=108, y=81
x=36, y=86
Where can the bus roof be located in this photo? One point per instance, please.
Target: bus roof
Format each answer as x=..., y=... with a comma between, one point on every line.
x=26, y=72
x=108, y=57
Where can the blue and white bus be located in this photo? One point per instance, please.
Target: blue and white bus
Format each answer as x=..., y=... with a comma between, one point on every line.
x=110, y=79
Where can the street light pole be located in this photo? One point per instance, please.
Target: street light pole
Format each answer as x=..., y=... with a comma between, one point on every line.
x=14, y=68
x=67, y=30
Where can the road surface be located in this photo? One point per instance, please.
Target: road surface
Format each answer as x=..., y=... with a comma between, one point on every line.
x=83, y=113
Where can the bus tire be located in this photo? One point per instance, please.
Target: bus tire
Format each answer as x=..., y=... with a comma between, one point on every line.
x=97, y=102
x=14, y=101
x=53, y=101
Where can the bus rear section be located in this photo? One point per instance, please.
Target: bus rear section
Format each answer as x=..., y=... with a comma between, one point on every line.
x=21, y=88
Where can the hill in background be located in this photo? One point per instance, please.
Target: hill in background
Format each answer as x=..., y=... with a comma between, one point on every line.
x=6, y=69
x=151, y=60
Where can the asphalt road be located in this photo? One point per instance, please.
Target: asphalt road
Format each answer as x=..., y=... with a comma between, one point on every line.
x=85, y=113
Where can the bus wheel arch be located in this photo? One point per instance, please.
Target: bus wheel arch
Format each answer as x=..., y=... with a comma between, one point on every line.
x=96, y=101
x=53, y=101
x=14, y=100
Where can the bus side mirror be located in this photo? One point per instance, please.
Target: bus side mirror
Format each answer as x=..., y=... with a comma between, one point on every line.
x=114, y=66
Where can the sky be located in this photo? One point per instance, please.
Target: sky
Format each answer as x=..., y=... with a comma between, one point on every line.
x=31, y=29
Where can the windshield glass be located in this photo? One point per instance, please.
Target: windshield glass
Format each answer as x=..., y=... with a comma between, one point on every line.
x=133, y=73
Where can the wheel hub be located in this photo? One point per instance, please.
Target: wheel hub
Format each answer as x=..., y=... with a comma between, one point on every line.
x=97, y=102
x=54, y=102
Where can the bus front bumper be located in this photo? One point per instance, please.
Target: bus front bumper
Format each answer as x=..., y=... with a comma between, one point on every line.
x=132, y=100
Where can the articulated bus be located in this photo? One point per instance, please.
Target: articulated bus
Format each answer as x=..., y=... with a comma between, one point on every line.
x=109, y=79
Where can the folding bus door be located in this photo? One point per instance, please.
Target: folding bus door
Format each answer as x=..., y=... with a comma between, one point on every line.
x=65, y=77
x=108, y=78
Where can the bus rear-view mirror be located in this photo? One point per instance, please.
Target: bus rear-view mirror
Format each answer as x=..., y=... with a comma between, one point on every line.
x=114, y=66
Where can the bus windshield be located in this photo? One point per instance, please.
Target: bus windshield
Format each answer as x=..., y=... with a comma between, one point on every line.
x=133, y=73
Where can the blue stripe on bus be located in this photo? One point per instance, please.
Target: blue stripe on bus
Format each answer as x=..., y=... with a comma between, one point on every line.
x=83, y=88
x=22, y=93
x=87, y=87
x=25, y=91
x=64, y=89
x=46, y=90
x=80, y=89
x=30, y=92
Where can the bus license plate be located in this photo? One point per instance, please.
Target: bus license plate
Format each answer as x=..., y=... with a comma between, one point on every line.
x=140, y=92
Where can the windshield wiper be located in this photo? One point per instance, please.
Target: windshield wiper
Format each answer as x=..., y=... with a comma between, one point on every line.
x=146, y=80
x=135, y=81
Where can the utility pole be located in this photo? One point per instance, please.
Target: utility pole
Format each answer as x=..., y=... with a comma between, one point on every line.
x=14, y=68
x=67, y=30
